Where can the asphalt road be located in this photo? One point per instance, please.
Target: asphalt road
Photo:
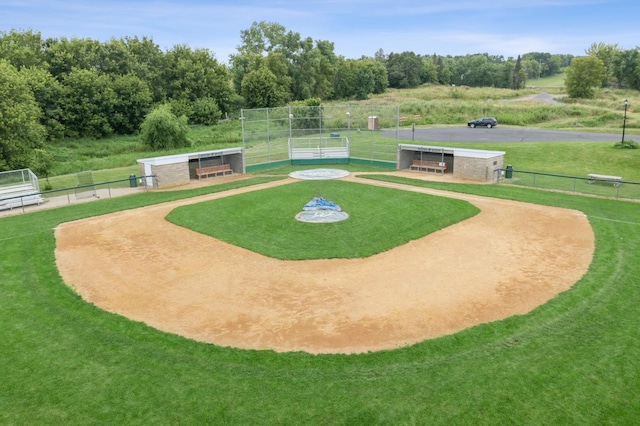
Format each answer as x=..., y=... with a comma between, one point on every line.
x=501, y=134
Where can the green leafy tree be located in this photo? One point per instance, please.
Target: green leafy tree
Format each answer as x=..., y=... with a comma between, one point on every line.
x=429, y=71
x=48, y=94
x=311, y=69
x=364, y=81
x=307, y=113
x=324, y=69
x=358, y=78
x=161, y=129
x=180, y=107
x=260, y=89
x=515, y=76
x=345, y=79
x=149, y=63
x=64, y=55
x=205, y=111
x=484, y=71
x=20, y=128
x=132, y=101
x=262, y=37
x=584, y=74
x=303, y=67
x=404, y=70
x=42, y=162
x=380, y=77
x=277, y=63
x=444, y=67
x=194, y=74
x=627, y=69
x=23, y=49
x=89, y=100
x=607, y=53
x=241, y=64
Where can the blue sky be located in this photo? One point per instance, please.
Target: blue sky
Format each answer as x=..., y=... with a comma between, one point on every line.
x=356, y=27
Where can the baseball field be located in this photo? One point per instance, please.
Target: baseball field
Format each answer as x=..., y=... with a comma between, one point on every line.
x=113, y=314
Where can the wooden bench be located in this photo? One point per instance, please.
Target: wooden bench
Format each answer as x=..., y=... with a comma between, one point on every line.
x=435, y=166
x=593, y=177
x=222, y=169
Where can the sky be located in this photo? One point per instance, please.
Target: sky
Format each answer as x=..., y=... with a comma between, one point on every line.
x=356, y=27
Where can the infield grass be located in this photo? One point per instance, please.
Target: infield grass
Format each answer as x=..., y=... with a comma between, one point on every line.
x=572, y=360
x=379, y=219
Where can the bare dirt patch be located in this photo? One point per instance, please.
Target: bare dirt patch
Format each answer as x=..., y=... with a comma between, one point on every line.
x=505, y=261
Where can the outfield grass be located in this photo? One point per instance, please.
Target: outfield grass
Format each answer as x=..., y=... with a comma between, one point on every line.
x=379, y=219
x=571, y=361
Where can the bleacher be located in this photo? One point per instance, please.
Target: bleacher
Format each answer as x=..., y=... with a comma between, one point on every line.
x=19, y=188
x=18, y=196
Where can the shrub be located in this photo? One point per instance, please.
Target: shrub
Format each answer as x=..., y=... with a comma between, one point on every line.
x=163, y=130
x=627, y=144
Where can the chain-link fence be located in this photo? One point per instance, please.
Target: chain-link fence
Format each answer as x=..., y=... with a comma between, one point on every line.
x=610, y=186
x=22, y=203
x=372, y=132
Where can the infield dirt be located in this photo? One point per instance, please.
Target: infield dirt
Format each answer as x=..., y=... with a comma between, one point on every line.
x=507, y=260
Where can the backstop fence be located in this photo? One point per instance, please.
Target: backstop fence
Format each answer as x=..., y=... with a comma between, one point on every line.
x=370, y=133
x=575, y=184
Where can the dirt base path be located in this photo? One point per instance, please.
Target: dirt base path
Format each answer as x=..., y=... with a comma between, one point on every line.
x=506, y=260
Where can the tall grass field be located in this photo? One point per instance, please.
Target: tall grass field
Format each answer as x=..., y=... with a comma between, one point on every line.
x=573, y=360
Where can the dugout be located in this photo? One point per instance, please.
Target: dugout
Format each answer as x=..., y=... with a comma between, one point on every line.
x=180, y=169
x=468, y=164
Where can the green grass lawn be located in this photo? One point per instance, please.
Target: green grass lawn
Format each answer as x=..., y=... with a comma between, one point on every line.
x=554, y=81
x=379, y=219
x=572, y=360
x=565, y=158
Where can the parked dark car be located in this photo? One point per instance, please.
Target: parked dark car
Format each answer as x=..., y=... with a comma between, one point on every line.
x=488, y=122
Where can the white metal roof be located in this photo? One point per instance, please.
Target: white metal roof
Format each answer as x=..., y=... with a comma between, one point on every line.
x=183, y=158
x=457, y=152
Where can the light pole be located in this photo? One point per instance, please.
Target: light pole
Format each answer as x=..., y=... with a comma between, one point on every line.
x=290, y=118
x=348, y=124
x=624, y=120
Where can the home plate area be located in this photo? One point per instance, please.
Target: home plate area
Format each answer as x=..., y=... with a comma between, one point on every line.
x=319, y=174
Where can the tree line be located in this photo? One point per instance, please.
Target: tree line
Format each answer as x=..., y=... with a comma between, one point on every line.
x=78, y=87
x=605, y=65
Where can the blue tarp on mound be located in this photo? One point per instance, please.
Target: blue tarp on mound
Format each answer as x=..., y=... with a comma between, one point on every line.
x=319, y=203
